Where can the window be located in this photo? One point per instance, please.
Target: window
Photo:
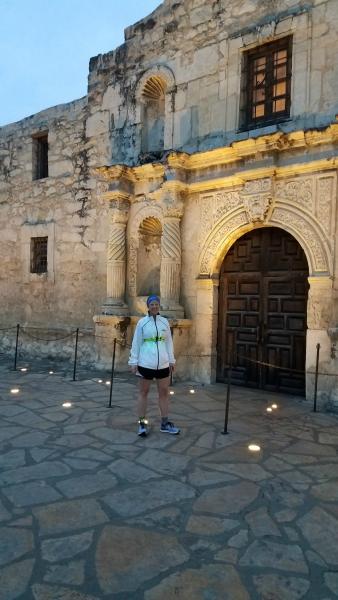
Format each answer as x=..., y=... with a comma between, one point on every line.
x=40, y=156
x=39, y=254
x=267, y=83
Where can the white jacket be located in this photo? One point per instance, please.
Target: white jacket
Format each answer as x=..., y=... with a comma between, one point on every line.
x=152, y=345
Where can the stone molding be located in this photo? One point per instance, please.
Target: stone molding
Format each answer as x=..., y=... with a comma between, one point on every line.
x=303, y=206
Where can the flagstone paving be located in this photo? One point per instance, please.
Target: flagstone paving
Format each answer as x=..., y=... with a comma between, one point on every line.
x=89, y=511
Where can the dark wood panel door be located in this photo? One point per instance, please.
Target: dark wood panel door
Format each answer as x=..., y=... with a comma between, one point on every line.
x=262, y=312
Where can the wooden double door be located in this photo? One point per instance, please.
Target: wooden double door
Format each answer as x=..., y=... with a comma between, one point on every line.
x=262, y=312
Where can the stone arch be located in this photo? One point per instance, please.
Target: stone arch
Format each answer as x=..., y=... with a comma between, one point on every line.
x=154, y=99
x=159, y=73
x=303, y=228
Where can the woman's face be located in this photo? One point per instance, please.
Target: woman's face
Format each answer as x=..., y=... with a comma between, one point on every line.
x=154, y=307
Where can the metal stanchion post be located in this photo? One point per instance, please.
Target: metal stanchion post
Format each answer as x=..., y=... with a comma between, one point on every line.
x=16, y=345
x=112, y=373
x=316, y=380
x=227, y=402
x=75, y=353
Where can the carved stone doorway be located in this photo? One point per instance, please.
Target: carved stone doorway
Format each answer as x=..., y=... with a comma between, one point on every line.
x=262, y=312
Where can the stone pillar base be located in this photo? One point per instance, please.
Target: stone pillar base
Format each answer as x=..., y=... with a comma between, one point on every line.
x=171, y=310
x=114, y=307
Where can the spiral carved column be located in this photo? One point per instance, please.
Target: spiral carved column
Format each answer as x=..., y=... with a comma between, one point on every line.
x=170, y=282
x=116, y=262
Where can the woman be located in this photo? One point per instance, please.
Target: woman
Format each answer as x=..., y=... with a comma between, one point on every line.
x=152, y=357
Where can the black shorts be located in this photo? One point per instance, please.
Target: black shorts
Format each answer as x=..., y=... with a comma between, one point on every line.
x=153, y=373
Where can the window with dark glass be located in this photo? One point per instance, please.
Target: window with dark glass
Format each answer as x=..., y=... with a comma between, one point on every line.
x=39, y=254
x=267, y=83
x=40, y=156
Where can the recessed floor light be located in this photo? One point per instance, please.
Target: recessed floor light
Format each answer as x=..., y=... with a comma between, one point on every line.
x=67, y=404
x=254, y=448
x=15, y=390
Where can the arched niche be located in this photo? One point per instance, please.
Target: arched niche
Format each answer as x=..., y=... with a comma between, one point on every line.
x=154, y=99
x=149, y=257
x=153, y=115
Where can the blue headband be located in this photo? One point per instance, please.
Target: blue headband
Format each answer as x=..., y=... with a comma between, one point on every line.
x=152, y=298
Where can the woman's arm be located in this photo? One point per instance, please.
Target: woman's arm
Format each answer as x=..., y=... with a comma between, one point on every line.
x=135, y=347
x=170, y=347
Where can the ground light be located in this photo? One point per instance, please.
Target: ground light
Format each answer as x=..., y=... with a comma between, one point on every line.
x=269, y=409
x=67, y=404
x=51, y=372
x=274, y=406
x=100, y=381
x=107, y=382
x=23, y=369
x=171, y=392
x=191, y=391
x=15, y=390
x=254, y=448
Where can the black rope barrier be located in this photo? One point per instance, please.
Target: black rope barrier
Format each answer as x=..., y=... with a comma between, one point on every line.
x=43, y=339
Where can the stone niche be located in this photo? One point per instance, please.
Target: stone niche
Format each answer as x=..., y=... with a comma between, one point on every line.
x=149, y=257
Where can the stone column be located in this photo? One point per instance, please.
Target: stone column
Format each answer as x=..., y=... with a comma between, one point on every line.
x=116, y=260
x=319, y=318
x=170, y=280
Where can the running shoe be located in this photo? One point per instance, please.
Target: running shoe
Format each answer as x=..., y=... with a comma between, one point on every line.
x=142, y=427
x=169, y=427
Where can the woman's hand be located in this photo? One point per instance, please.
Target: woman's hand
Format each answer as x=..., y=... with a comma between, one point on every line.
x=133, y=369
x=172, y=367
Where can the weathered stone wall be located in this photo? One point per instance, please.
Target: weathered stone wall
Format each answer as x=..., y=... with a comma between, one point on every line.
x=63, y=207
x=201, y=45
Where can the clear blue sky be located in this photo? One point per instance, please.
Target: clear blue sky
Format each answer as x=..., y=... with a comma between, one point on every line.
x=45, y=47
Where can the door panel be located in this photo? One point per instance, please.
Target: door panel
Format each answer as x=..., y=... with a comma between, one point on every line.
x=262, y=312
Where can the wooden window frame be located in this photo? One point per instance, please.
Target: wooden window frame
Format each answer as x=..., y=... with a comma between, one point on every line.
x=39, y=255
x=267, y=53
x=40, y=156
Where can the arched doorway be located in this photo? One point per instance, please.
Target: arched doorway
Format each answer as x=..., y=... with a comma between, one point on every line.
x=262, y=312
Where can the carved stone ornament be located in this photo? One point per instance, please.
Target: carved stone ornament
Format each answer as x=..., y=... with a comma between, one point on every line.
x=214, y=208
x=217, y=240
x=303, y=229
x=257, y=198
x=297, y=191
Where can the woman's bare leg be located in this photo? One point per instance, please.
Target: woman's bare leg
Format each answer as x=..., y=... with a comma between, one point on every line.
x=142, y=401
x=163, y=396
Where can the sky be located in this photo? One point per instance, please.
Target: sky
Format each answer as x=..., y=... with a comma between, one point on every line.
x=45, y=47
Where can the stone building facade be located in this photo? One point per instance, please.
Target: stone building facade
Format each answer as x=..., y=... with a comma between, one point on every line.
x=201, y=165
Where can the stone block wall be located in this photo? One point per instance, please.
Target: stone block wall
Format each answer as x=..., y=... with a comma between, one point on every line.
x=62, y=207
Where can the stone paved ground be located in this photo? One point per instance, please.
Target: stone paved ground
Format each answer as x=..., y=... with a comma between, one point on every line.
x=88, y=510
